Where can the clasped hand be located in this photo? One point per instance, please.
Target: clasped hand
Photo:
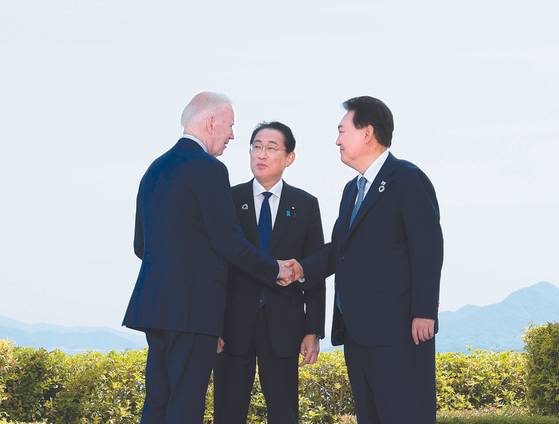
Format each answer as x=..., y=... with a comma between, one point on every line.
x=290, y=271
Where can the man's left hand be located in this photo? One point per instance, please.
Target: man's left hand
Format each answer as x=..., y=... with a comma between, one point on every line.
x=220, y=345
x=422, y=330
x=310, y=347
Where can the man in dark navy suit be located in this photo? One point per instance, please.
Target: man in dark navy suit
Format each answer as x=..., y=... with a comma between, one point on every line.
x=387, y=253
x=270, y=324
x=186, y=232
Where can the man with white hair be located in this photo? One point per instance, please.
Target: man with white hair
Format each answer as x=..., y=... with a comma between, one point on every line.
x=186, y=232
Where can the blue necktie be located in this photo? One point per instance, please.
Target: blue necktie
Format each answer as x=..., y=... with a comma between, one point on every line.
x=265, y=231
x=361, y=183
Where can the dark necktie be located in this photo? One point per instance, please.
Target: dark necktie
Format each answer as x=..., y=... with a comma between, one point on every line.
x=265, y=222
x=265, y=231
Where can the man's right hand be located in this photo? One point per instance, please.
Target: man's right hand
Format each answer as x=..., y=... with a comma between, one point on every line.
x=286, y=275
x=295, y=269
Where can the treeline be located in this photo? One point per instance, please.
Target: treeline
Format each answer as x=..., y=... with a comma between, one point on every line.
x=41, y=386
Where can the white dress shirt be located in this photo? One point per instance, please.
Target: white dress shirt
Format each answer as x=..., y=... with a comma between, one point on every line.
x=258, y=190
x=197, y=140
x=372, y=172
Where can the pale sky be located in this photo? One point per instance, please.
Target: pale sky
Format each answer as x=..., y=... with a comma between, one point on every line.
x=92, y=91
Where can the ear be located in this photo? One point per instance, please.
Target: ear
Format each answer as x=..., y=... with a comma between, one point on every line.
x=369, y=133
x=210, y=124
x=290, y=159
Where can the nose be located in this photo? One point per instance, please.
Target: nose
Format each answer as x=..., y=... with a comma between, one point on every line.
x=263, y=153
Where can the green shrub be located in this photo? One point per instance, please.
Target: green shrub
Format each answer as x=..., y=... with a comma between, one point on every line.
x=542, y=347
x=6, y=365
x=325, y=393
x=34, y=378
x=109, y=388
x=480, y=379
x=100, y=389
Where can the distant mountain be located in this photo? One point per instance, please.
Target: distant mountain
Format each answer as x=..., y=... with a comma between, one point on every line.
x=499, y=326
x=495, y=327
x=68, y=339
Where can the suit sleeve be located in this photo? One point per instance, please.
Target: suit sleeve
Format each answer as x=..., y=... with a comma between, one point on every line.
x=139, y=227
x=320, y=265
x=425, y=243
x=323, y=263
x=224, y=230
x=314, y=291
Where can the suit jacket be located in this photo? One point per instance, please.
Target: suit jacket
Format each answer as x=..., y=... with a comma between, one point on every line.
x=186, y=231
x=292, y=311
x=388, y=264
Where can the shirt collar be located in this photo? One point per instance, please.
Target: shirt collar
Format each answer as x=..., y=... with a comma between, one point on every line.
x=197, y=140
x=258, y=189
x=374, y=168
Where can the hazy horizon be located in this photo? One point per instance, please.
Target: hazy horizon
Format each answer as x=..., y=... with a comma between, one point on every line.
x=92, y=93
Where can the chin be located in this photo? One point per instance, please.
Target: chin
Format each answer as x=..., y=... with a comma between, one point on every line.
x=259, y=175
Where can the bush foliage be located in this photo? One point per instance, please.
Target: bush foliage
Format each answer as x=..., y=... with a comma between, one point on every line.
x=41, y=386
x=542, y=347
x=480, y=380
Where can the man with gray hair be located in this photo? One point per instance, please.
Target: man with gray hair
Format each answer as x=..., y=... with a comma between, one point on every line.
x=186, y=232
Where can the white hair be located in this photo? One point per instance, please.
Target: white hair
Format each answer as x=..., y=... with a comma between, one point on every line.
x=202, y=105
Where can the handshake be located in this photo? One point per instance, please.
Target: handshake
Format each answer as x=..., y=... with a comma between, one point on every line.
x=289, y=271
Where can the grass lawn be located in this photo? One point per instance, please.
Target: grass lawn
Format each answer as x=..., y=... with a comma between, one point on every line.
x=501, y=416
x=495, y=419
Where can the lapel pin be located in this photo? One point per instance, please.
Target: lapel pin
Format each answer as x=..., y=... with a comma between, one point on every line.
x=382, y=186
x=244, y=207
x=290, y=212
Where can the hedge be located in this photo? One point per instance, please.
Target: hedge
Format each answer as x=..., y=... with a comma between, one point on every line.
x=37, y=385
x=542, y=347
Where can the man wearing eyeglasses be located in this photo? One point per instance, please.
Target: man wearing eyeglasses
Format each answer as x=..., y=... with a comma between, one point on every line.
x=270, y=324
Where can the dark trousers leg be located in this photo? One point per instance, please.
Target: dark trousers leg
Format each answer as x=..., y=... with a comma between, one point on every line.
x=177, y=375
x=365, y=405
x=393, y=384
x=233, y=381
x=157, y=383
x=279, y=377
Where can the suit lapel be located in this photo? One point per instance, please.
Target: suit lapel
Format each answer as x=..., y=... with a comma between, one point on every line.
x=247, y=214
x=378, y=188
x=347, y=206
x=281, y=224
